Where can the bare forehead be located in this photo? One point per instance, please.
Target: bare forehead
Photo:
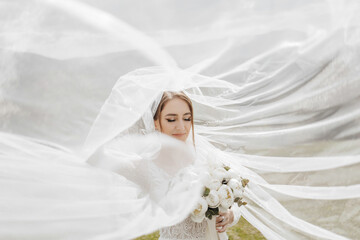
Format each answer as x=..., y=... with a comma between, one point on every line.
x=176, y=106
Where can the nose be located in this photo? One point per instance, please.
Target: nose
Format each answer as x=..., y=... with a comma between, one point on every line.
x=180, y=125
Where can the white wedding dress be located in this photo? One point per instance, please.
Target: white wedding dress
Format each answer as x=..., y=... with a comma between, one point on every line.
x=190, y=230
x=275, y=87
x=185, y=230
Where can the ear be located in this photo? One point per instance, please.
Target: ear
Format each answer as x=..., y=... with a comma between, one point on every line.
x=157, y=125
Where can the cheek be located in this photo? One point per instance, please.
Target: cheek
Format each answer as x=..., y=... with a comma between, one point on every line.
x=188, y=130
x=188, y=126
x=166, y=127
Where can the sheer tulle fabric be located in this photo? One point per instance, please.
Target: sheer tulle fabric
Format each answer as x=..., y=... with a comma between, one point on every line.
x=275, y=88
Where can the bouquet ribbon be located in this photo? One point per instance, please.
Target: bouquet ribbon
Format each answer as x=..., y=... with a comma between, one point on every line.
x=212, y=233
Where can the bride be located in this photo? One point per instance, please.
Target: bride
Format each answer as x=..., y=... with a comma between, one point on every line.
x=275, y=91
x=174, y=117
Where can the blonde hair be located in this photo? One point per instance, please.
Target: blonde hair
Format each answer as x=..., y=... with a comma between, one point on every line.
x=166, y=97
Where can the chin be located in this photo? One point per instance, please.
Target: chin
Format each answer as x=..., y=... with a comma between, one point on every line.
x=181, y=138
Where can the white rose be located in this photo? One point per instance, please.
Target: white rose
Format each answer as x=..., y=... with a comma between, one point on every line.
x=198, y=214
x=213, y=199
x=214, y=184
x=220, y=174
x=233, y=174
x=226, y=196
x=222, y=209
x=227, y=175
x=237, y=193
x=236, y=186
x=197, y=219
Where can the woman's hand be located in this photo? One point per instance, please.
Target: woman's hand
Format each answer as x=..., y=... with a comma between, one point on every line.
x=223, y=220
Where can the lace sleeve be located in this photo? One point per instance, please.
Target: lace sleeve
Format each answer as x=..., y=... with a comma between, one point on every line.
x=185, y=230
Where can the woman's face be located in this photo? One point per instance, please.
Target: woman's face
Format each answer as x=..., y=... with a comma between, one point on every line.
x=175, y=119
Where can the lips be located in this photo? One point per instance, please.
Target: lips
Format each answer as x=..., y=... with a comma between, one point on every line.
x=178, y=134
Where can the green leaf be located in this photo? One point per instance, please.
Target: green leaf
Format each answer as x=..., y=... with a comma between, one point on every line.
x=206, y=192
x=241, y=203
x=227, y=168
x=216, y=211
x=208, y=214
x=237, y=199
x=211, y=212
x=244, y=182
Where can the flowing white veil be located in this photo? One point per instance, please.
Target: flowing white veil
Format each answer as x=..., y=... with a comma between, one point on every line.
x=275, y=87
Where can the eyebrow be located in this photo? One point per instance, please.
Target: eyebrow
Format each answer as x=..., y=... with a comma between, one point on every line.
x=174, y=115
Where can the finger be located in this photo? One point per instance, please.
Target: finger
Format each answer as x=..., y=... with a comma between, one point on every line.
x=221, y=224
x=223, y=229
x=220, y=219
x=224, y=216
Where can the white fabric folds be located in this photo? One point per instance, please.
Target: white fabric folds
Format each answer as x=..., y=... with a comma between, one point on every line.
x=276, y=92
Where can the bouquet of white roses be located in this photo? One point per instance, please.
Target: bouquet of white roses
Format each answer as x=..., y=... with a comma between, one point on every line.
x=222, y=189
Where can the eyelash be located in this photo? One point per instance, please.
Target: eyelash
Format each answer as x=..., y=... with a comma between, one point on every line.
x=173, y=120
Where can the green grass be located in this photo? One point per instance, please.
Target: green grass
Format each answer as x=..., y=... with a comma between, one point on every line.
x=242, y=230
x=153, y=236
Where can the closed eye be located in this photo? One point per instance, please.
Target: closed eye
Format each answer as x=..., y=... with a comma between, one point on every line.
x=170, y=120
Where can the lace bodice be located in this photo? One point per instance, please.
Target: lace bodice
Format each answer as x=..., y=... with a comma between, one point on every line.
x=185, y=230
x=190, y=230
